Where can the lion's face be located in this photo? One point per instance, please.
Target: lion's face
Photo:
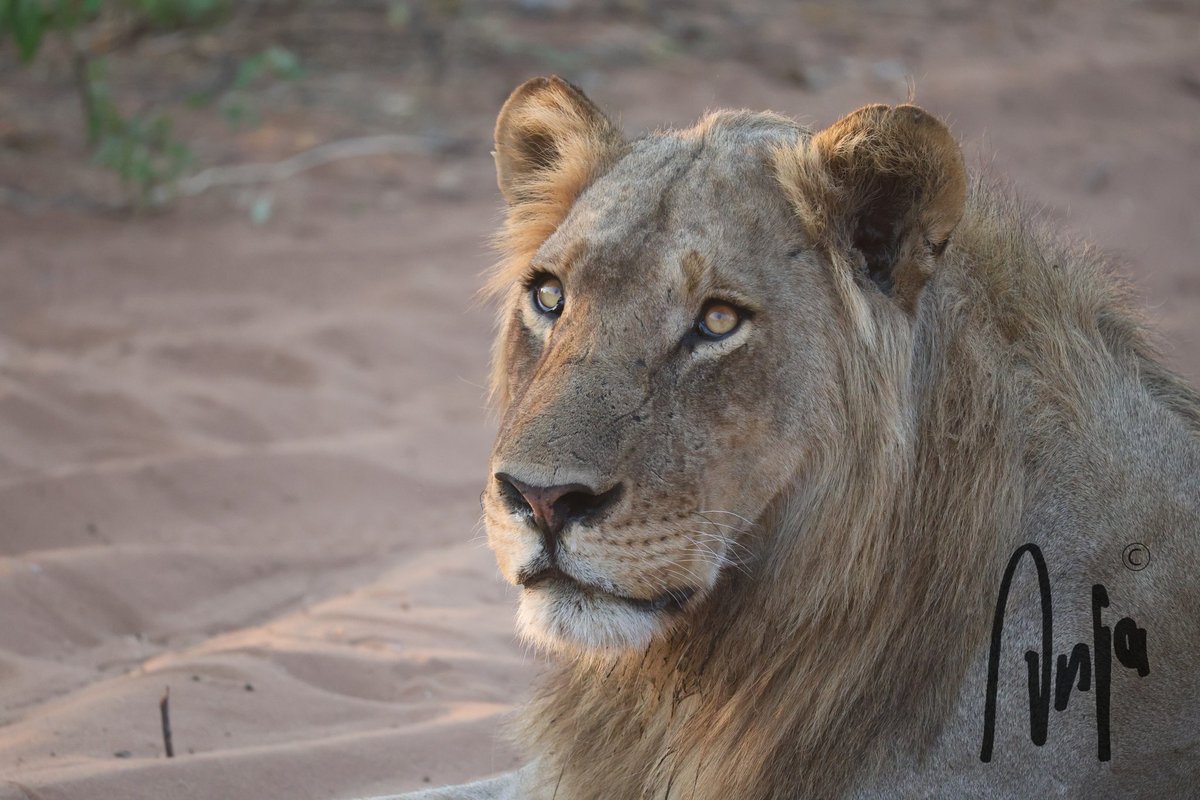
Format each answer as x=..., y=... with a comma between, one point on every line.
x=661, y=357
x=664, y=370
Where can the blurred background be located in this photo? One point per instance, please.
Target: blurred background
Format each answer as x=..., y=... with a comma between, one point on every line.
x=242, y=409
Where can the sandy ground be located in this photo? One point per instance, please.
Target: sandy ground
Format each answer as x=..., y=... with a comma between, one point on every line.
x=243, y=461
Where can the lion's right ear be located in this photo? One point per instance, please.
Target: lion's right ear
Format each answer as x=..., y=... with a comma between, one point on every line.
x=551, y=141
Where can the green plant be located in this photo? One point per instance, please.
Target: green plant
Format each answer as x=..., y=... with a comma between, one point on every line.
x=274, y=62
x=178, y=13
x=28, y=21
x=140, y=148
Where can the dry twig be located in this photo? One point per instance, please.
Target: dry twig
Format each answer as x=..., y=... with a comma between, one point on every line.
x=164, y=709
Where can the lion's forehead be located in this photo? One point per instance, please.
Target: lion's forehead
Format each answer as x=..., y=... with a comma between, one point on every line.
x=668, y=197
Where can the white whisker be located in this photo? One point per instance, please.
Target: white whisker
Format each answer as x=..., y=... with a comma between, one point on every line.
x=732, y=514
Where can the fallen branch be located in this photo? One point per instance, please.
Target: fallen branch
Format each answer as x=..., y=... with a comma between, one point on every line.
x=250, y=174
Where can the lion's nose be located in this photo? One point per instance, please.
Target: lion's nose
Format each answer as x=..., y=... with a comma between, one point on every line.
x=554, y=507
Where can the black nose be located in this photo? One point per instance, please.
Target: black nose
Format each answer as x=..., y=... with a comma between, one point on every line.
x=555, y=507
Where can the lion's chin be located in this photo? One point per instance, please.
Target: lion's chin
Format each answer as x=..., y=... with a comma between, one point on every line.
x=566, y=617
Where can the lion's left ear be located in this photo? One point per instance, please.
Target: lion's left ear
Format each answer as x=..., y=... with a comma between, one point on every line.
x=884, y=186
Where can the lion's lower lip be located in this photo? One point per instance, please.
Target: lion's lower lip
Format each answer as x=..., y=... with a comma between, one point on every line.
x=673, y=600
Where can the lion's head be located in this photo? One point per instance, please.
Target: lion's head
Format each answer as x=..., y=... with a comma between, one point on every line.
x=677, y=315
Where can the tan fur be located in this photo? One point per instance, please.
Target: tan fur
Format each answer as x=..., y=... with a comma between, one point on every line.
x=857, y=465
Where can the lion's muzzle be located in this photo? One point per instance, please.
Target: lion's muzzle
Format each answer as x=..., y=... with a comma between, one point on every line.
x=553, y=508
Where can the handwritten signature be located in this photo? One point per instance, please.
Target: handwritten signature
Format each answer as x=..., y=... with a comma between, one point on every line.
x=1126, y=640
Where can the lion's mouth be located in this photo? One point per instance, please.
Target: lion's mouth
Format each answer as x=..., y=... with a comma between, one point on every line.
x=554, y=578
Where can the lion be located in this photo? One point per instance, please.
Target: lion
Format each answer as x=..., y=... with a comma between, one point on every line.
x=777, y=407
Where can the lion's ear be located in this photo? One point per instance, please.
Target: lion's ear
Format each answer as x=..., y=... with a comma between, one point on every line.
x=551, y=140
x=885, y=185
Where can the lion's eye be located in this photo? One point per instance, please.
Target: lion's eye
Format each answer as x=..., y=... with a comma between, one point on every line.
x=548, y=295
x=718, y=320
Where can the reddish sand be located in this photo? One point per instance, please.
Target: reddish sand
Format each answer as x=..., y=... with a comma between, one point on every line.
x=244, y=461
